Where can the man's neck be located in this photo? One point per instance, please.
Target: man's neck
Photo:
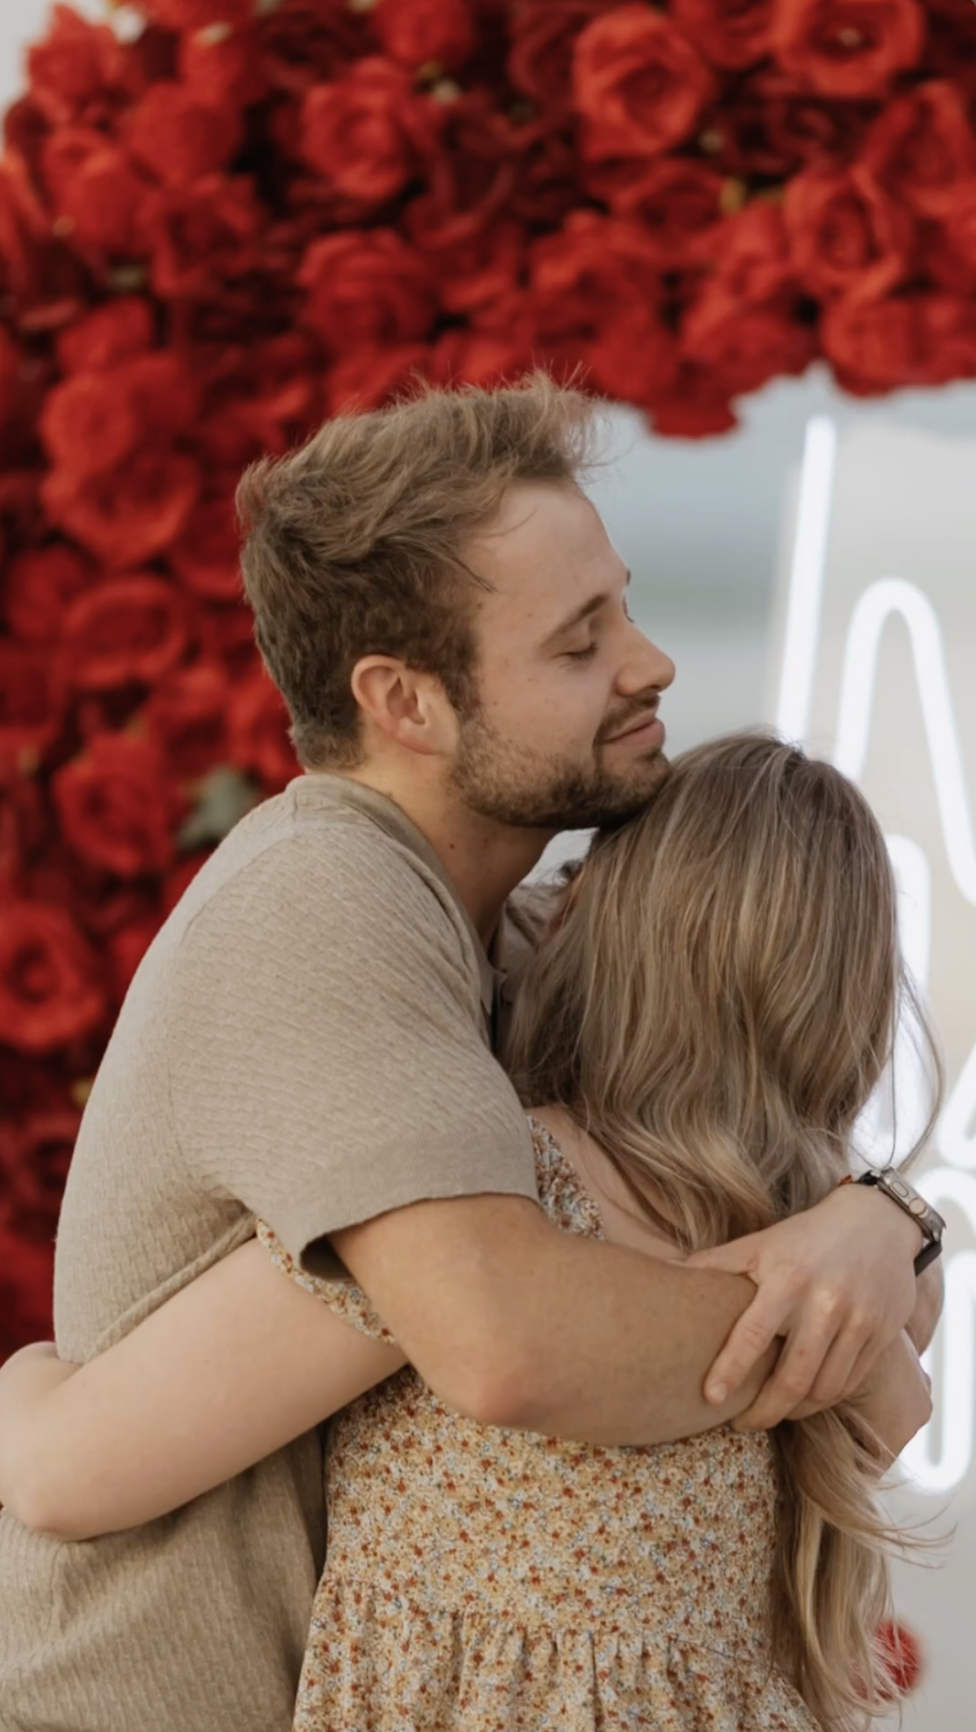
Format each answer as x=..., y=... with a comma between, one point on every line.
x=484, y=860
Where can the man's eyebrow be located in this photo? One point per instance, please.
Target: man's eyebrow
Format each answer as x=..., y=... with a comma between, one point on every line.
x=578, y=615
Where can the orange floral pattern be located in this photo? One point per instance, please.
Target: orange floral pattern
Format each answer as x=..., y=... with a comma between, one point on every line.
x=488, y=1580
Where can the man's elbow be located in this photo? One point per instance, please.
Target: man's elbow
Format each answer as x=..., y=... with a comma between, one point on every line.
x=494, y=1388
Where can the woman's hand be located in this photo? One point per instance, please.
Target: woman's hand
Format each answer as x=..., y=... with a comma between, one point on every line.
x=896, y=1400
x=835, y=1283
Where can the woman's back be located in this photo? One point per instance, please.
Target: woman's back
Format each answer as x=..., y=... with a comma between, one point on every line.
x=501, y=1580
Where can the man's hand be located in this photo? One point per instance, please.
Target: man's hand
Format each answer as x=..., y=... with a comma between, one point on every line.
x=835, y=1283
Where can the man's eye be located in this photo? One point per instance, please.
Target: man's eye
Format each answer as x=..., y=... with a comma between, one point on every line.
x=583, y=655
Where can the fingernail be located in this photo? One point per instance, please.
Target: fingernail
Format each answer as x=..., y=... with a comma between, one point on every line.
x=716, y=1392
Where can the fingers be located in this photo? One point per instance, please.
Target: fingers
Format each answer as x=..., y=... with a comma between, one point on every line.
x=793, y=1379
x=838, y=1376
x=752, y=1336
x=736, y=1258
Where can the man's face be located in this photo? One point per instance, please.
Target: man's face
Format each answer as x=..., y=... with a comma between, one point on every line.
x=565, y=733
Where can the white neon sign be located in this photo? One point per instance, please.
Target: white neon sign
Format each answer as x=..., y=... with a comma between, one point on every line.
x=935, y=1466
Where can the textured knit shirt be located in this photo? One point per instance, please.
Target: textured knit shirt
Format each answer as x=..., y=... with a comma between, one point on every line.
x=305, y=1041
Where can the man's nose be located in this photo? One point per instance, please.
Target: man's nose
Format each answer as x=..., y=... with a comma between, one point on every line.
x=646, y=665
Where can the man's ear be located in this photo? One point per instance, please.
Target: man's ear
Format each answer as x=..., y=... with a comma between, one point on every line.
x=405, y=706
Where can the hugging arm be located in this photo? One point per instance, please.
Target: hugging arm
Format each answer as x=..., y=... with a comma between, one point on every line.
x=227, y=1371
x=243, y=1360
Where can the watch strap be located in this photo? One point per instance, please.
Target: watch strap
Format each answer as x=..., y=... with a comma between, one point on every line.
x=899, y=1191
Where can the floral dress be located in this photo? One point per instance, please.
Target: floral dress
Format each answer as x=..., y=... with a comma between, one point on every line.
x=486, y=1580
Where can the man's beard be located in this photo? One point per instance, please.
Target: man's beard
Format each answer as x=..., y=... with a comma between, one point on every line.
x=511, y=785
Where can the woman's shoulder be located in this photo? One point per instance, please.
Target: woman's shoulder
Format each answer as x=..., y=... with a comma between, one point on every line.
x=561, y=1191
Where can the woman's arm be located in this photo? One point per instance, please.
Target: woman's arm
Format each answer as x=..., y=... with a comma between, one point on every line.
x=239, y=1363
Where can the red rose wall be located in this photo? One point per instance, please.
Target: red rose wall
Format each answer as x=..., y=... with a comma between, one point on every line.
x=246, y=216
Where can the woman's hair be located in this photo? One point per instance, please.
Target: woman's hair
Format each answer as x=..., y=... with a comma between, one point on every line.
x=716, y=1004
x=354, y=544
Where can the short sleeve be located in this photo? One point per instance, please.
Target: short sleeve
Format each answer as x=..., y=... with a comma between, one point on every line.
x=328, y=1053
x=343, y=1297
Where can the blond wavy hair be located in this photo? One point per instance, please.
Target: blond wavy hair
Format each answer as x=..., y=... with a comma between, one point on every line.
x=715, y=1006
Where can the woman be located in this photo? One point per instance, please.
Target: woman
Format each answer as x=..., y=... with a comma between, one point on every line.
x=706, y=1021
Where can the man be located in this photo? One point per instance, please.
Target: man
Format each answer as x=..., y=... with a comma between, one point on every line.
x=308, y=1041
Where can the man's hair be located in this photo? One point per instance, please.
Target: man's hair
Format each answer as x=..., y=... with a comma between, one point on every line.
x=354, y=543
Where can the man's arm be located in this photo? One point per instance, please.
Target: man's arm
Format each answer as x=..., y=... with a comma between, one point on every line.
x=516, y=1323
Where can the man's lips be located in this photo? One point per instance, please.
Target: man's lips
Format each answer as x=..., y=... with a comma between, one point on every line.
x=637, y=725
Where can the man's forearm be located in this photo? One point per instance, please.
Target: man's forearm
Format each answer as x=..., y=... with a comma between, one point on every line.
x=517, y=1323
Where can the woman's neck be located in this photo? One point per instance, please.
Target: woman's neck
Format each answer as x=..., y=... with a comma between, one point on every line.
x=624, y=1221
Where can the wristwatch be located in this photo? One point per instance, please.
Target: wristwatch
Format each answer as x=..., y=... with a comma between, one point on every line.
x=905, y=1195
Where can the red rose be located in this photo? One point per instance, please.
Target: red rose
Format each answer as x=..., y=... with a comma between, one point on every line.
x=221, y=68
x=198, y=14
x=227, y=636
x=23, y=823
x=749, y=257
x=179, y=139
x=96, y=194
x=900, y=1654
x=363, y=135
x=310, y=41
x=674, y=199
x=26, y=1290
x=186, y=718
x=848, y=48
x=258, y=726
x=49, y=988
x=370, y=377
x=203, y=235
x=471, y=171
x=41, y=582
x=547, y=176
x=594, y=296
x=771, y=123
x=80, y=71
x=478, y=358
x=116, y=808
x=543, y=42
x=731, y=36
x=951, y=51
x=888, y=344
x=130, y=629
x=367, y=287
x=90, y=424
x=422, y=33
x=470, y=265
x=112, y=333
x=639, y=86
x=206, y=557
x=950, y=247
x=847, y=234
x=31, y=703
x=737, y=347
x=126, y=517
x=923, y=148
x=94, y=422
x=38, y=1167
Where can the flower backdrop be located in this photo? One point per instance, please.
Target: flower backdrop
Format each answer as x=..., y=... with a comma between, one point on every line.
x=223, y=220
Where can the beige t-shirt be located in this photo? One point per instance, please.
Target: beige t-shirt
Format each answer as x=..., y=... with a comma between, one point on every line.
x=306, y=1041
